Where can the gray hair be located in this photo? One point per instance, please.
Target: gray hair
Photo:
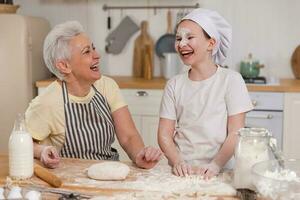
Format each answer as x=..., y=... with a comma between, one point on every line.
x=56, y=44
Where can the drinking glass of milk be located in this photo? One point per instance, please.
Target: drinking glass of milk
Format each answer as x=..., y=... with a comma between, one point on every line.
x=20, y=151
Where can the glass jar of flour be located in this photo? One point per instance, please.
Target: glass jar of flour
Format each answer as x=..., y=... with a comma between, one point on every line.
x=252, y=147
x=20, y=151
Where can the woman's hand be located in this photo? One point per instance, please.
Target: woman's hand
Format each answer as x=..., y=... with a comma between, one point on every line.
x=49, y=157
x=209, y=170
x=148, y=157
x=182, y=169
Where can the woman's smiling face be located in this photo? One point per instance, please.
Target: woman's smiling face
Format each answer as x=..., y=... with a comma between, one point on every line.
x=192, y=44
x=84, y=59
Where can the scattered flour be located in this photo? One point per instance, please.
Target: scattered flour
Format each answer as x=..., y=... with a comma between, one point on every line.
x=280, y=189
x=283, y=175
x=155, y=196
x=160, y=179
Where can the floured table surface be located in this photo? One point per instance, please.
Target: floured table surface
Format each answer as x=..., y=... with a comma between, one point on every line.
x=156, y=183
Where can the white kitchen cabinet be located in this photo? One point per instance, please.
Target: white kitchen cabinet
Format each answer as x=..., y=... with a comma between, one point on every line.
x=144, y=102
x=267, y=113
x=144, y=108
x=116, y=145
x=149, y=130
x=291, y=137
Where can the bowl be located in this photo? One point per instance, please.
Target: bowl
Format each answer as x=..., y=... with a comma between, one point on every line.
x=275, y=182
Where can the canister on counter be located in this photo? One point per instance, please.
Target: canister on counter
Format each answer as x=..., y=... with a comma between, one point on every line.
x=252, y=147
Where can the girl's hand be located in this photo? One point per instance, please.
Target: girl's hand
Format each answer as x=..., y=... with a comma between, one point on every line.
x=182, y=169
x=209, y=170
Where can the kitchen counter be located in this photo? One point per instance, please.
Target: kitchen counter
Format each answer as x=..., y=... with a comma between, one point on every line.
x=72, y=172
x=126, y=82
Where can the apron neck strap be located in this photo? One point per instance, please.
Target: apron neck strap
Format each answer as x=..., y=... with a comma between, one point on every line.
x=65, y=92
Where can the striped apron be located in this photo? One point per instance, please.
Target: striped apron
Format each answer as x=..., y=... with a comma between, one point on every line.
x=89, y=129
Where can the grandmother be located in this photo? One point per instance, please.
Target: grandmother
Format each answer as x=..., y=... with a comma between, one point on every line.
x=79, y=114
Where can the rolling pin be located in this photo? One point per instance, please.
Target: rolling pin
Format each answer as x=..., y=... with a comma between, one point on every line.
x=47, y=176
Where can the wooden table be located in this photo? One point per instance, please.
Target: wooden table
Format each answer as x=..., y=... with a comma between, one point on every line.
x=73, y=174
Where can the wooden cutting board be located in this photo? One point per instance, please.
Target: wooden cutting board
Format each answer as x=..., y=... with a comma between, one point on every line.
x=143, y=45
x=295, y=61
x=148, y=64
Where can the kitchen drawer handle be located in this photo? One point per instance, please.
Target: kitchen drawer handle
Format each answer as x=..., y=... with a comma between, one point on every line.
x=254, y=103
x=141, y=93
x=268, y=116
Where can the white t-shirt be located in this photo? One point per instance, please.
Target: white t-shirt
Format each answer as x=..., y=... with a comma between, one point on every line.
x=201, y=109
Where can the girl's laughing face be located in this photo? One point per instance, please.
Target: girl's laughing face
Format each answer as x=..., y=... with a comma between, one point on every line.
x=192, y=44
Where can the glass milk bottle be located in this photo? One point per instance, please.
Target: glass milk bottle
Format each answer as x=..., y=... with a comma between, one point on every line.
x=20, y=151
x=252, y=147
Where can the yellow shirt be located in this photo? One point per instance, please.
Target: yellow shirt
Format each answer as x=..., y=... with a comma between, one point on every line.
x=45, y=117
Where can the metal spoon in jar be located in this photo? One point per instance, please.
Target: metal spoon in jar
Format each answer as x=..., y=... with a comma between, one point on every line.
x=277, y=154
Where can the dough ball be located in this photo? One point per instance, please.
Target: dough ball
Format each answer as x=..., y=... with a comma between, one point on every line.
x=108, y=170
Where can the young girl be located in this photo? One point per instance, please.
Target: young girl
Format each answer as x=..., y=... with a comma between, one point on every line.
x=203, y=108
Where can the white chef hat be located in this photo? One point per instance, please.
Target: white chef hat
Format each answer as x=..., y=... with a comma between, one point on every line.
x=216, y=27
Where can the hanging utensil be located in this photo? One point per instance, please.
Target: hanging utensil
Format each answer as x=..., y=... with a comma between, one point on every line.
x=108, y=20
x=166, y=43
x=117, y=39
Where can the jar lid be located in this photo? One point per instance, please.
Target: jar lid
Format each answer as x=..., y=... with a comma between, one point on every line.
x=254, y=132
